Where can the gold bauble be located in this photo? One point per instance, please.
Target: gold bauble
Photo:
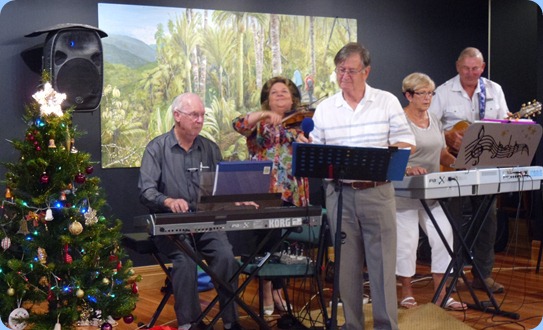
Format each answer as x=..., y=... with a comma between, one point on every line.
x=80, y=293
x=11, y=292
x=106, y=281
x=76, y=228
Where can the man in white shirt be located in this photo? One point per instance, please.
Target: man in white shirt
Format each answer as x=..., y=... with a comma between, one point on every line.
x=469, y=97
x=362, y=116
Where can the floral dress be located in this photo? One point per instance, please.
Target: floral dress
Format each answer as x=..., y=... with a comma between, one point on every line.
x=269, y=142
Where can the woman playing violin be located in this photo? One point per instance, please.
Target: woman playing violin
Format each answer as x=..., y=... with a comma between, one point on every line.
x=269, y=138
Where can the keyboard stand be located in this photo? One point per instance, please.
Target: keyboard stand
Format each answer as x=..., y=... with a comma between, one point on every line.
x=234, y=295
x=467, y=242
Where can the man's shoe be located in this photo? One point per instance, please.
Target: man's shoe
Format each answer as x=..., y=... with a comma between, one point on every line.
x=235, y=326
x=494, y=286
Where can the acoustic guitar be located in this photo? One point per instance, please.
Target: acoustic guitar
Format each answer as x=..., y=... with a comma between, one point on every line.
x=526, y=111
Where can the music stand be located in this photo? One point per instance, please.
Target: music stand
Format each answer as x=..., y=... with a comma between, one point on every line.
x=346, y=163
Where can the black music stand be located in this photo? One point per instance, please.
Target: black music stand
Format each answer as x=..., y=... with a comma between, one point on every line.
x=346, y=163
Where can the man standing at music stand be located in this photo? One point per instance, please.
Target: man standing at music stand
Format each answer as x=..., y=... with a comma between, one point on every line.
x=462, y=100
x=362, y=116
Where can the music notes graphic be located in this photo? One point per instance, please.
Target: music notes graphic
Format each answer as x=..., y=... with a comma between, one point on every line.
x=486, y=143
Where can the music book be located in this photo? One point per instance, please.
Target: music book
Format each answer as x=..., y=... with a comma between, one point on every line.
x=497, y=143
x=242, y=177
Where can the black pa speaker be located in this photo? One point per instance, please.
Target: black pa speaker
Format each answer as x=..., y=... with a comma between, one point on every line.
x=74, y=58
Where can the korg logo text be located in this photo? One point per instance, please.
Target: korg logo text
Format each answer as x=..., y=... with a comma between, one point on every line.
x=279, y=223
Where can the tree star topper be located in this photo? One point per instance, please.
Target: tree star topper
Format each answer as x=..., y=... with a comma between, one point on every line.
x=49, y=100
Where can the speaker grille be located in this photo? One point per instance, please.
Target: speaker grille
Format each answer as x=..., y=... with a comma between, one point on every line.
x=78, y=79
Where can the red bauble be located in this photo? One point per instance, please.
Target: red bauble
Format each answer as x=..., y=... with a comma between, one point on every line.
x=89, y=169
x=135, y=288
x=80, y=178
x=128, y=319
x=38, y=148
x=44, y=178
x=106, y=326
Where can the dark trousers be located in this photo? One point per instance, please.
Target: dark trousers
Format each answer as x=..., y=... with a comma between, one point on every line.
x=461, y=209
x=217, y=251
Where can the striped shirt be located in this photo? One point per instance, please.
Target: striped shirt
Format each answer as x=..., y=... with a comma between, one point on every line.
x=377, y=121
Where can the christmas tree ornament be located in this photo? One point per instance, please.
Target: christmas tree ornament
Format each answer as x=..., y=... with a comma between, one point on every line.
x=128, y=319
x=6, y=243
x=34, y=217
x=76, y=228
x=50, y=101
x=80, y=178
x=38, y=148
x=52, y=144
x=62, y=196
x=49, y=214
x=135, y=288
x=44, y=281
x=23, y=227
x=80, y=293
x=42, y=256
x=17, y=317
x=106, y=326
x=57, y=325
x=50, y=296
x=85, y=314
x=90, y=217
x=44, y=179
x=89, y=169
x=8, y=194
x=106, y=281
x=11, y=292
x=73, y=149
x=67, y=257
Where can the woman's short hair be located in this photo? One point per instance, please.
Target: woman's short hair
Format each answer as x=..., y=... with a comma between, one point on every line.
x=265, y=93
x=416, y=81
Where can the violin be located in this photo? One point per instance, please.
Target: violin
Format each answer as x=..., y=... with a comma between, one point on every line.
x=295, y=118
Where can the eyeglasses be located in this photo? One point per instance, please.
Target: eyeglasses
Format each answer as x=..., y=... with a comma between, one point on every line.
x=350, y=72
x=193, y=115
x=424, y=94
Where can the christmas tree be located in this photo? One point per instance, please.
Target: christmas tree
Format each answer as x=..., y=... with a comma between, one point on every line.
x=61, y=263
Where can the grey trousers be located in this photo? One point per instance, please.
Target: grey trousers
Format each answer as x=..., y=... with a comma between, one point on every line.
x=217, y=251
x=369, y=224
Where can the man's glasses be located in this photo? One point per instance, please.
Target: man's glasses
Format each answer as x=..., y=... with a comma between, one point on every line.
x=424, y=94
x=193, y=115
x=350, y=72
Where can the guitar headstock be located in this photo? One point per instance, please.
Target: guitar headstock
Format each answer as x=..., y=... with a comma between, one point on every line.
x=531, y=109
